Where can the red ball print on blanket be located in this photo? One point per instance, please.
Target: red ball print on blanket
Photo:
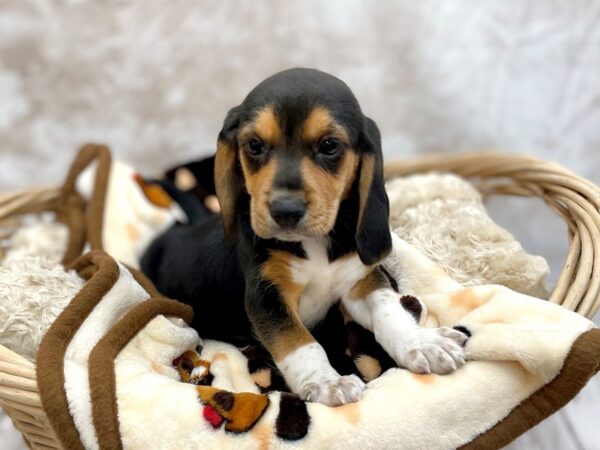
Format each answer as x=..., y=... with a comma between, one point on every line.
x=212, y=416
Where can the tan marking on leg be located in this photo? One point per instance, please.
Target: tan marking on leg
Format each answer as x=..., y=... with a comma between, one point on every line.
x=368, y=367
x=373, y=281
x=277, y=270
x=289, y=341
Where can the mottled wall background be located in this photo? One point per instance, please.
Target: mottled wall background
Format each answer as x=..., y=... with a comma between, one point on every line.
x=154, y=79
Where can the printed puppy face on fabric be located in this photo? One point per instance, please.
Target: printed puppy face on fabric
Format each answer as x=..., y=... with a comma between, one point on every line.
x=296, y=145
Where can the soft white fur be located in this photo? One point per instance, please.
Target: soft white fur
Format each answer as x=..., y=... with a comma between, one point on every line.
x=33, y=292
x=443, y=215
x=41, y=238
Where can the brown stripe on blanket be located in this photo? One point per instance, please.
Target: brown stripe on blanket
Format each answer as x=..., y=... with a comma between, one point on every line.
x=144, y=282
x=582, y=362
x=101, y=365
x=103, y=273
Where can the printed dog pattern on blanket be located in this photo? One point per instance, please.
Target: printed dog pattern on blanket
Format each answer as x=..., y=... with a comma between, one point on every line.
x=239, y=412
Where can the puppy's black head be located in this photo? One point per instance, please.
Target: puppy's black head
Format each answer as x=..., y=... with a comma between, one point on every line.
x=299, y=144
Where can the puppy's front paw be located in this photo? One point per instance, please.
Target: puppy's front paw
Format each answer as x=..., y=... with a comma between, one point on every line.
x=431, y=350
x=335, y=391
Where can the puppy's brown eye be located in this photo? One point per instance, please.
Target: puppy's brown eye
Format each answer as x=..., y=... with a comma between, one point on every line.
x=329, y=146
x=254, y=147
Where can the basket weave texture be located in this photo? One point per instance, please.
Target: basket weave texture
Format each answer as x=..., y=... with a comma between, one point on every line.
x=575, y=199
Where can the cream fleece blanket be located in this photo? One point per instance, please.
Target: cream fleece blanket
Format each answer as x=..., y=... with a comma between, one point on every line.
x=518, y=345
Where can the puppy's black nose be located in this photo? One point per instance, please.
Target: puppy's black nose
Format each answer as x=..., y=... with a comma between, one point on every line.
x=287, y=211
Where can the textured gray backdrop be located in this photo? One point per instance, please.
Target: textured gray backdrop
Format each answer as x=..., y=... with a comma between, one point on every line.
x=154, y=79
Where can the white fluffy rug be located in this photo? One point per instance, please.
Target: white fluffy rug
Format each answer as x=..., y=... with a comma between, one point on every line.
x=49, y=290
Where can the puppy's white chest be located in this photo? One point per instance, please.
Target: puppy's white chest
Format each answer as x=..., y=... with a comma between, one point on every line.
x=325, y=282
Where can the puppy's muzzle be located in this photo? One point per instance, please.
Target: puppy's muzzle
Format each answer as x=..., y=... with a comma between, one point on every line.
x=287, y=211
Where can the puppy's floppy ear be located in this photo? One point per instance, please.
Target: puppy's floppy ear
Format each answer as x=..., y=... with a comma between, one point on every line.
x=373, y=237
x=228, y=177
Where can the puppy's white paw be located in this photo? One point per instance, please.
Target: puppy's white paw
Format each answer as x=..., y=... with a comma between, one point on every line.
x=335, y=391
x=430, y=350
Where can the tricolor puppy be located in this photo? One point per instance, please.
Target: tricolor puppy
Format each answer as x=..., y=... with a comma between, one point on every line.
x=299, y=177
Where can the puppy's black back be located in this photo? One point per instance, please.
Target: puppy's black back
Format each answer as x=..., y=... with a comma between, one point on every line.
x=196, y=265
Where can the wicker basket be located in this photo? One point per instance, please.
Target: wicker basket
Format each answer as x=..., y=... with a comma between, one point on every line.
x=575, y=199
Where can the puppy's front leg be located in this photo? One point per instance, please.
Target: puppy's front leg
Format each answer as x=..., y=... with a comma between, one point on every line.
x=374, y=305
x=301, y=360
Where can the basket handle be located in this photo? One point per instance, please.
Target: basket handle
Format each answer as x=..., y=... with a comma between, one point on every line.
x=85, y=221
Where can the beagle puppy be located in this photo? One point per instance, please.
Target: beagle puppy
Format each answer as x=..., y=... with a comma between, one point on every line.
x=304, y=224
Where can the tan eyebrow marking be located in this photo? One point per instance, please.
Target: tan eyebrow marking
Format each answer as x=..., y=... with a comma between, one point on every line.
x=319, y=123
x=265, y=126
